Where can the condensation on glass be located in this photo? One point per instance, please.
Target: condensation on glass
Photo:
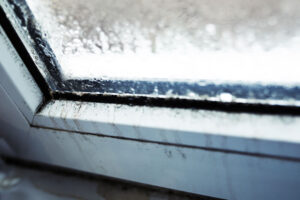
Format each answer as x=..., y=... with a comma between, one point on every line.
x=183, y=40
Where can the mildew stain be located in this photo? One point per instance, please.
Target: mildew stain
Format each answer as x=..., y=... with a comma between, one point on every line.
x=168, y=153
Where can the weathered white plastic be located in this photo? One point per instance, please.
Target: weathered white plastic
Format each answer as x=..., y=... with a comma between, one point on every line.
x=16, y=79
x=179, y=149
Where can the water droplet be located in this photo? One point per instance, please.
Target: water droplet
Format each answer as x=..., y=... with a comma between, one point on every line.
x=226, y=97
x=211, y=29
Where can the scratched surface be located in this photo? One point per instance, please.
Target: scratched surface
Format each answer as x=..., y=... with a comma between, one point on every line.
x=252, y=133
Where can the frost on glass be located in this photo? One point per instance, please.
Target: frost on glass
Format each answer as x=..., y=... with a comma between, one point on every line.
x=219, y=40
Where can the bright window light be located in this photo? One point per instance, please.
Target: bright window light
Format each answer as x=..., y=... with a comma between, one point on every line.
x=217, y=40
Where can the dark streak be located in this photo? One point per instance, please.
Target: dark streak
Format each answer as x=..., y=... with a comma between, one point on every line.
x=233, y=107
x=226, y=151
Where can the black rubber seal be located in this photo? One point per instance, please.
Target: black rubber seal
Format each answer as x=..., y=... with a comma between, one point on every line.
x=21, y=50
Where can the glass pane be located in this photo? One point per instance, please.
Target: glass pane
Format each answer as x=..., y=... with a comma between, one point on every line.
x=235, y=40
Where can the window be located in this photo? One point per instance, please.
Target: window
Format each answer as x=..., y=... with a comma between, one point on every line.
x=238, y=51
x=196, y=96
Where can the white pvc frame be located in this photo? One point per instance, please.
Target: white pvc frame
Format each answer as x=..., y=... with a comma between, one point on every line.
x=214, y=153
